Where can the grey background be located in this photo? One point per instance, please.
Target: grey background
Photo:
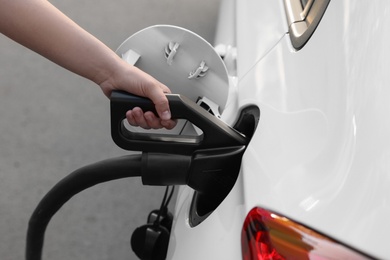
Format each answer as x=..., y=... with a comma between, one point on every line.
x=53, y=122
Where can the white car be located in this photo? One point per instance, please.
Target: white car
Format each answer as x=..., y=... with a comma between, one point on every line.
x=292, y=159
x=314, y=181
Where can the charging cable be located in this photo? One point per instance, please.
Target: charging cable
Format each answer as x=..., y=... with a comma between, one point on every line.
x=79, y=180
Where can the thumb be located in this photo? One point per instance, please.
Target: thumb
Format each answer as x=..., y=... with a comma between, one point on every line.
x=162, y=108
x=157, y=95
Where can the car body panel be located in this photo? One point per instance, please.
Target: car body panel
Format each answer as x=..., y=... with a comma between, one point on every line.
x=260, y=25
x=320, y=154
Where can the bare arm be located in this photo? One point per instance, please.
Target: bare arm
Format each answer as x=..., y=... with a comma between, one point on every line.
x=41, y=27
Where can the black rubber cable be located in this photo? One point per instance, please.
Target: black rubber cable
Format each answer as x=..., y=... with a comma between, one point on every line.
x=79, y=180
x=165, y=202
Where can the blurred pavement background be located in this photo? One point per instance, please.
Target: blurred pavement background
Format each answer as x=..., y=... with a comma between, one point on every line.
x=53, y=122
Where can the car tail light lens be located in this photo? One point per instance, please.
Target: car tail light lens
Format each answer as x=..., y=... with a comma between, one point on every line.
x=266, y=235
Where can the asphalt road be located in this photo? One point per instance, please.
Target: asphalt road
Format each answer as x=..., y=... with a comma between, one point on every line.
x=53, y=122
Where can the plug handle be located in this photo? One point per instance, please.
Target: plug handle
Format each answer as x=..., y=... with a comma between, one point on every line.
x=216, y=133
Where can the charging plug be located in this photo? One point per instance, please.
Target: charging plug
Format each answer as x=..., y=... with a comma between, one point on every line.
x=206, y=171
x=161, y=169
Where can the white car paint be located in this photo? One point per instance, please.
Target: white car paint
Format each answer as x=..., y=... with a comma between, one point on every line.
x=321, y=153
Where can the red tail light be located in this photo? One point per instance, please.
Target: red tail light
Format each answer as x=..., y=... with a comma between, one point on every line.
x=267, y=236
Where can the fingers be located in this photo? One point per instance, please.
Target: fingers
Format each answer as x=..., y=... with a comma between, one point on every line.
x=168, y=124
x=136, y=117
x=156, y=93
x=133, y=80
x=147, y=120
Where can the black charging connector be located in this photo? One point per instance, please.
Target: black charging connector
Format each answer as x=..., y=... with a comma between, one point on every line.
x=209, y=163
x=161, y=169
x=206, y=171
x=203, y=163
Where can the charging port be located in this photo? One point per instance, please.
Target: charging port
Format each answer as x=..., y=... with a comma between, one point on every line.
x=204, y=203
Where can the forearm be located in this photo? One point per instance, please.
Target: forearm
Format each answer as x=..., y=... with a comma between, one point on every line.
x=42, y=28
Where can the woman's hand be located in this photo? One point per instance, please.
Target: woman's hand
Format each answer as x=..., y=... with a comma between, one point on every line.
x=130, y=79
